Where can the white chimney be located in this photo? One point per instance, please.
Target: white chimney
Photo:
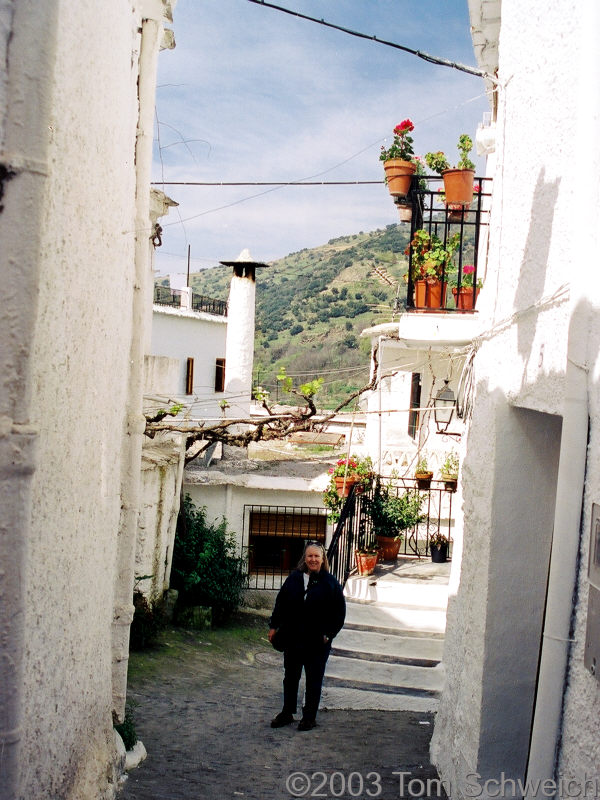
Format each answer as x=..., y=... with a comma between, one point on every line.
x=239, y=348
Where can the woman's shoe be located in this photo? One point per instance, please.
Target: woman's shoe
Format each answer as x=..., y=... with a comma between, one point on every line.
x=306, y=724
x=282, y=719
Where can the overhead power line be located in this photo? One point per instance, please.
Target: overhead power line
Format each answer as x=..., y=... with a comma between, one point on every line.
x=264, y=183
x=443, y=62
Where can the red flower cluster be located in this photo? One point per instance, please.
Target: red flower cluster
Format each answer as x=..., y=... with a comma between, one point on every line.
x=468, y=269
x=405, y=126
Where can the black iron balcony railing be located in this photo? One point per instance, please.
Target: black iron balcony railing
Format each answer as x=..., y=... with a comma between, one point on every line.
x=459, y=282
x=165, y=296
x=209, y=304
x=355, y=528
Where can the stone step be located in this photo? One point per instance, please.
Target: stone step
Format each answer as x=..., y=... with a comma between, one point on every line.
x=396, y=618
x=383, y=677
x=386, y=647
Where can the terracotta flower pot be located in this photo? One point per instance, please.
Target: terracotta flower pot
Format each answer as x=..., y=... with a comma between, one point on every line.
x=458, y=186
x=420, y=294
x=389, y=547
x=342, y=490
x=399, y=175
x=436, y=294
x=423, y=479
x=455, y=212
x=405, y=212
x=465, y=299
x=365, y=562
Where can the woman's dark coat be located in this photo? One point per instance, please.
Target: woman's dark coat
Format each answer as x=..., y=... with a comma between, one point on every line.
x=304, y=622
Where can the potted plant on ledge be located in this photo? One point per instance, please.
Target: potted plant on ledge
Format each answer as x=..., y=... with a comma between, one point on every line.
x=391, y=515
x=438, y=547
x=398, y=160
x=431, y=261
x=423, y=474
x=449, y=471
x=466, y=297
x=458, y=181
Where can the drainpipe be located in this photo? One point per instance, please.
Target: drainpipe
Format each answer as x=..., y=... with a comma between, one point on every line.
x=562, y=580
x=27, y=51
x=134, y=422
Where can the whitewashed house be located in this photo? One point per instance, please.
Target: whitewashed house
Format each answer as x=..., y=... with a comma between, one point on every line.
x=76, y=231
x=522, y=695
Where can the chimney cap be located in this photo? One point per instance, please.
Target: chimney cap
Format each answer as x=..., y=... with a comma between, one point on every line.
x=243, y=260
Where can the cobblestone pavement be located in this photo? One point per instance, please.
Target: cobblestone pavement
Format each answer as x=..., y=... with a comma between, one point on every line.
x=204, y=704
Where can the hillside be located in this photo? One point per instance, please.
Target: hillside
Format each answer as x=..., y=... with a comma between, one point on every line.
x=312, y=305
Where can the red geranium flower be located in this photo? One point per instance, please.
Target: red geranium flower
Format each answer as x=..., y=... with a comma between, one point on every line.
x=405, y=126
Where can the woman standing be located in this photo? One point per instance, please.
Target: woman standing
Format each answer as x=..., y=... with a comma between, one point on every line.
x=309, y=611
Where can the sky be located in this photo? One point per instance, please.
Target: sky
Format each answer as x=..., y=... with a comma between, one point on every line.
x=253, y=94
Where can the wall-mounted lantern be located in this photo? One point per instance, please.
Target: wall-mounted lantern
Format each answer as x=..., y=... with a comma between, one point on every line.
x=443, y=407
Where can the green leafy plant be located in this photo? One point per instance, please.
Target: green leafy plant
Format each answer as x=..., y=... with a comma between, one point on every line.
x=438, y=539
x=437, y=162
x=467, y=277
x=422, y=466
x=450, y=466
x=393, y=513
x=352, y=467
x=126, y=729
x=431, y=258
x=148, y=619
x=402, y=144
x=206, y=569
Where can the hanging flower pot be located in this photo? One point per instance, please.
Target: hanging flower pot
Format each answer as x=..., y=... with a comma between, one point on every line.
x=458, y=186
x=423, y=479
x=398, y=174
x=455, y=212
x=405, y=212
x=344, y=489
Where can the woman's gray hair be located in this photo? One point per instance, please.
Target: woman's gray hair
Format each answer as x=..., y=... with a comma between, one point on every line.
x=302, y=566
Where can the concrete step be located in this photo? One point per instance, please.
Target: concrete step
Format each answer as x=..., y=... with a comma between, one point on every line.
x=390, y=590
x=400, y=619
x=384, y=678
x=359, y=699
x=388, y=647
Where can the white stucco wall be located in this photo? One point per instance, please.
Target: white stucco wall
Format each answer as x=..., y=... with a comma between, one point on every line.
x=162, y=470
x=226, y=496
x=71, y=137
x=398, y=449
x=510, y=471
x=188, y=334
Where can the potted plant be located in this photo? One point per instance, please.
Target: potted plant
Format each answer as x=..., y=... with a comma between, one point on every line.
x=391, y=515
x=349, y=472
x=366, y=554
x=438, y=547
x=430, y=262
x=403, y=204
x=465, y=297
x=398, y=160
x=423, y=474
x=458, y=181
x=449, y=471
